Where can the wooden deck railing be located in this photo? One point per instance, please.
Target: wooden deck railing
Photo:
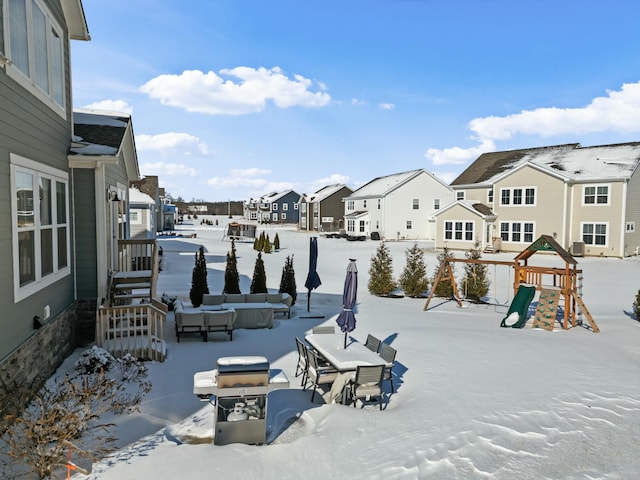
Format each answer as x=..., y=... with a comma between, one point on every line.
x=136, y=329
x=136, y=255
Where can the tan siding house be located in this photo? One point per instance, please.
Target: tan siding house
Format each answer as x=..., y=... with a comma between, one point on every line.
x=584, y=197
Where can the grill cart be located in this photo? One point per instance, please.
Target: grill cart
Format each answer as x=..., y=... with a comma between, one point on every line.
x=238, y=390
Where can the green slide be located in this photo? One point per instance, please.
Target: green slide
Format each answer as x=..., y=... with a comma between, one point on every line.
x=519, y=307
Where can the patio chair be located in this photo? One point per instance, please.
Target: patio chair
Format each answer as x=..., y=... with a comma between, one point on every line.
x=388, y=354
x=367, y=385
x=318, y=374
x=303, y=363
x=372, y=343
x=324, y=329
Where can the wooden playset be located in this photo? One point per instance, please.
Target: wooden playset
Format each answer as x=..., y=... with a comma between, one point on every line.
x=553, y=283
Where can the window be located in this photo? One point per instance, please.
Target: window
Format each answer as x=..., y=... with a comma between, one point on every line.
x=490, y=195
x=458, y=230
x=517, y=196
x=361, y=226
x=596, y=195
x=350, y=204
x=379, y=204
x=416, y=203
x=364, y=203
x=274, y=207
x=283, y=216
x=505, y=196
x=134, y=217
x=351, y=225
x=436, y=204
x=303, y=207
x=295, y=206
x=594, y=234
x=41, y=231
x=274, y=217
x=630, y=227
x=408, y=224
x=35, y=48
x=285, y=207
x=459, y=195
x=517, y=232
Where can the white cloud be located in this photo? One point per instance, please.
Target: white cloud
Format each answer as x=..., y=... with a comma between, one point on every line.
x=168, y=169
x=331, y=180
x=250, y=172
x=172, y=143
x=619, y=112
x=387, y=106
x=236, y=91
x=111, y=106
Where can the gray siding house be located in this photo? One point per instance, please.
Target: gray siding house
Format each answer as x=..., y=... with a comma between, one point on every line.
x=37, y=288
x=323, y=211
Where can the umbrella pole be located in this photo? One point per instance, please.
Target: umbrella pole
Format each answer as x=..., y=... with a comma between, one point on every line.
x=345, y=339
x=308, y=300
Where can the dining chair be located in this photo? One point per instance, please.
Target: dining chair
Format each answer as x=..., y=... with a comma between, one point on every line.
x=317, y=373
x=303, y=363
x=388, y=354
x=367, y=385
x=372, y=343
x=324, y=329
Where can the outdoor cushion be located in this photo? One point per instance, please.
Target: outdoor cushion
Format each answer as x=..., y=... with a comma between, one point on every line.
x=210, y=299
x=256, y=297
x=234, y=298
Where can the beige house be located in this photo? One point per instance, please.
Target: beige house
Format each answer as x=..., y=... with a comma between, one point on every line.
x=587, y=198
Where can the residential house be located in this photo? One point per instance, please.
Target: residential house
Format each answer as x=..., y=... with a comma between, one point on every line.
x=398, y=206
x=38, y=296
x=274, y=208
x=586, y=198
x=142, y=215
x=323, y=210
x=149, y=185
x=103, y=160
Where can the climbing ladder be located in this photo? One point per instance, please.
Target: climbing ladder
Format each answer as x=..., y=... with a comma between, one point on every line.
x=547, y=309
x=585, y=311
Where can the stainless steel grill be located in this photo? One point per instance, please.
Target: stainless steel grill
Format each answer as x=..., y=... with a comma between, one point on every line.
x=238, y=390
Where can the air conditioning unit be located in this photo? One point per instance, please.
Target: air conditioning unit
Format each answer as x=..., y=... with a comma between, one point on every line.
x=577, y=249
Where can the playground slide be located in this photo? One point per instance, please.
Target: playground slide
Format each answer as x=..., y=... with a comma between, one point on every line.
x=519, y=306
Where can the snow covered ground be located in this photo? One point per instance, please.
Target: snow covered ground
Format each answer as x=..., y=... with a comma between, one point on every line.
x=472, y=400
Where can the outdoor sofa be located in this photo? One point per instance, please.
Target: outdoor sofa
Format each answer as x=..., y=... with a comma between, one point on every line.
x=253, y=310
x=202, y=321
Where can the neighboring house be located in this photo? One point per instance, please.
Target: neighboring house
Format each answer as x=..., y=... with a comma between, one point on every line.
x=586, y=198
x=42, y=311
x=169, y=216
x=323, y=210
x=149, y=185
x=397, y=207
x=142, y=215
x=104, y=161
x=274, y=208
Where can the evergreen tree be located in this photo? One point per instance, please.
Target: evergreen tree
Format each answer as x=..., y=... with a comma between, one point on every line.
x=381, y=272
x=413, y=279
x=276, y=242
x=261, y=239
x=255, y=243
x=636, y=306
x=444, y=287
x=231, y=276
x=259, y=281
x=475, y=283
x=199, y=285
x=288, y=280
x=266, y=248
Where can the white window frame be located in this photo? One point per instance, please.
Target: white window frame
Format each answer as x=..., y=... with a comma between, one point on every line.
x=295, y=206
x=283, y=216
x=351, y=225
x=596, y=194
x=595, y=234
x=459, y=230
x=409, y=224
x=51, y=87
x=490, y=195
x=350, y=205
x=460, y=195
x=135, y=216
x=416, y=204
x=517, y=231
x=285, y=207
x=509, y=196
x=274, y=207
x=39, y=171
x=436, y=204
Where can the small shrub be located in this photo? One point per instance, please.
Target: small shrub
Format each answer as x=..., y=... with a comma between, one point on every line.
x=636, y=306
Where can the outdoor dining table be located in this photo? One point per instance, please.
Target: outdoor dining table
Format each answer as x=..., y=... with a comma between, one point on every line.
x=345, y=360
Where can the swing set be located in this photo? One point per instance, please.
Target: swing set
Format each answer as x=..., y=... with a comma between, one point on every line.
x=567, y=281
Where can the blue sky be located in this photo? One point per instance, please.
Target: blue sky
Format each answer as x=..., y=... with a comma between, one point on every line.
x=232, y=99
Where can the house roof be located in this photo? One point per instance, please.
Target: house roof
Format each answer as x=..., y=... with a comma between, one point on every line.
x=137, y=197
x=76, y=21
x=476, y=207
x=357, y=214
x=569, y=160
x=326, y=192
x=100, y=134
x=382, y=186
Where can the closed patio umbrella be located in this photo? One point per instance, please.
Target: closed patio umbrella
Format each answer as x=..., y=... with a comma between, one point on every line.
x=347, y=319
x=313, y=279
